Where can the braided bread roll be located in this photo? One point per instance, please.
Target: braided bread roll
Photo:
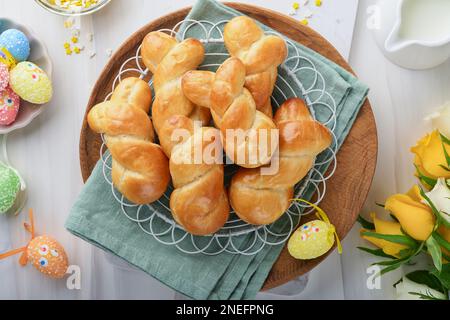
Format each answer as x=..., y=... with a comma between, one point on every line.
x=233, y=108
x=261, y=200
x=261, y=54
x=199, y=202
x=140, y=170
x=169, y=60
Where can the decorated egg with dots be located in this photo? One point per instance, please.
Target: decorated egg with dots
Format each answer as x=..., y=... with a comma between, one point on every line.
x=16, y=43
x=9, y=188
x=4, y=76
x=48, y=256
x=312, y=240
x=9, y=106
x=31, y=83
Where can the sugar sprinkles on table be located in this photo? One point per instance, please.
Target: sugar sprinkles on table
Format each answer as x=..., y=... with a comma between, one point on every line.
x=73, y=5
x=303, y=11
x=73, y=44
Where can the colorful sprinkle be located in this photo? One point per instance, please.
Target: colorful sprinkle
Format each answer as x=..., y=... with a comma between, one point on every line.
x=4, y=76
x=9, y=107
x=31, y=83
x=9, y=188
x=16, y=42
x=54, y=264
x=318, y=3
x=304, y=22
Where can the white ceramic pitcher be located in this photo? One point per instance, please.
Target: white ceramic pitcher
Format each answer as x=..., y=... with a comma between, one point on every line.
x=419, y=36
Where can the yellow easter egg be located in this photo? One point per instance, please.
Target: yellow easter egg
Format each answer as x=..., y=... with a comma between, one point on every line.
x=311, y=240
x=31, y=83
x=48, y=256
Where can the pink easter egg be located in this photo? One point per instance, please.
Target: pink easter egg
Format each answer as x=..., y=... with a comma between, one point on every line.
x=9, y=106
x=4, y=76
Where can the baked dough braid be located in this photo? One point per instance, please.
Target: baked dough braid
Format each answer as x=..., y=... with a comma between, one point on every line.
x=261, y=54
x=261, y=200
x=169, y=60
x=199, y=202
x=234, y=111
x=140, y=170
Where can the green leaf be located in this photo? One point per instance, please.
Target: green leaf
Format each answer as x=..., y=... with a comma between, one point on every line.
x=366, y=224
x=445, y=140
x=377, y=252
x=427, y=180
x=441, y=241
x=437, y=214
x=444, y=167
x=428, y=296
x=389, y=262
x=399, y=239
x=435, y=251
x=443, y=276
x=405, y=253
x=446, y=257
x=392, y=267
x=447, y=156
x=426, y=278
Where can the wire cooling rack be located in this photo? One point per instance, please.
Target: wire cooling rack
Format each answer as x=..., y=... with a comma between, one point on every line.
x=236, y=237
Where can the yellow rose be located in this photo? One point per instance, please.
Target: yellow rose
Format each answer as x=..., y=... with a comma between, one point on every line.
x=416, y=218
x=386, y=228
x=445, y=233
x=430, y=156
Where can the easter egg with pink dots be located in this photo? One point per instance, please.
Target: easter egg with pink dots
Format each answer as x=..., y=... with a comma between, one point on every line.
x=9, y=106
x=48, y=256
x=311, y=240
x=31, y=83
x=4, y=76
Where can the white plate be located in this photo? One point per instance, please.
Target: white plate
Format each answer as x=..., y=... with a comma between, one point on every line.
x=39, y=56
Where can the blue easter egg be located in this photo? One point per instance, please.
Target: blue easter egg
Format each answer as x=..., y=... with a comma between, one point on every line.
x=17, y=43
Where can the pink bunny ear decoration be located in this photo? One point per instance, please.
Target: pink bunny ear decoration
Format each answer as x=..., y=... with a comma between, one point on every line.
x=43, y=252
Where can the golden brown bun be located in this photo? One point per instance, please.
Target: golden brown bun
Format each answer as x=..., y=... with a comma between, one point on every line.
x=140, y=170
x=261, y=54
x=262, y=199
x=169, y=60
x=233, y=108
x=199, y=202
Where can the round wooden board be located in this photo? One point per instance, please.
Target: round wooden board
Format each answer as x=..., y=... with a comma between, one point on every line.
x=348, y=188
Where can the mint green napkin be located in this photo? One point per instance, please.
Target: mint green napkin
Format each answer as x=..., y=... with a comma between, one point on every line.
x=97, y=218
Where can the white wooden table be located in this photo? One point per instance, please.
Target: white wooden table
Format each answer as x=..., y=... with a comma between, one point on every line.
x=46, y=152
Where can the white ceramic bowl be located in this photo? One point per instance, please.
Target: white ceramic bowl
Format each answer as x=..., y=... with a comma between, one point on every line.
x=84, y=11
x=39, y=56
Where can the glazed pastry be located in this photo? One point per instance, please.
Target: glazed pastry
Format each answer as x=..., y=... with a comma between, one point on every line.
x=261, y=54
x=140, y=170
x=262, y=199
x=199, y=202
x=169, y=60
x=233, y=108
